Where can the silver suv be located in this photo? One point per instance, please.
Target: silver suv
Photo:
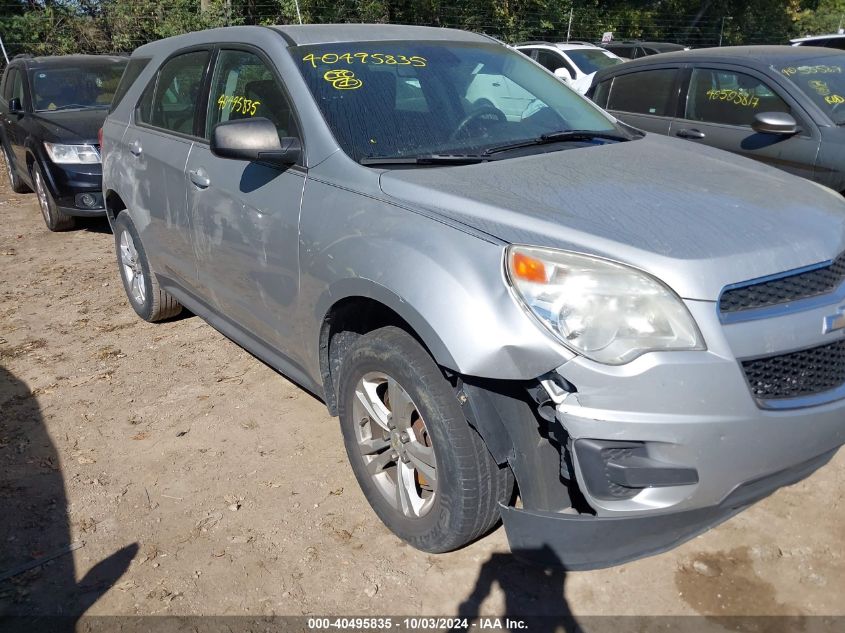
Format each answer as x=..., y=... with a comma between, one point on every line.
x=517, y=306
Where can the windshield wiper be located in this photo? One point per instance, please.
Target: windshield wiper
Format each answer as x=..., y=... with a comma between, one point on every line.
x=425, y=159
x=557, y=137
x=74, y=106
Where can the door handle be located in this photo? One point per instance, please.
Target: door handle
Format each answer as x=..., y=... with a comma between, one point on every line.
x=690, y=134
x=135, y=148
x=199, y=177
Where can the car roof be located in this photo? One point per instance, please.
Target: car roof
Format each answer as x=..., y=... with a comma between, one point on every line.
x=759, y=56
x=305, y=34
x=58, y=61
x=644, y=43
x=564, y=46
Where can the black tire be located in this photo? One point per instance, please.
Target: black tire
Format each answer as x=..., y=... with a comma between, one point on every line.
x=153, y=303
x=469, y=483
x=54, y=218
x=15, y=181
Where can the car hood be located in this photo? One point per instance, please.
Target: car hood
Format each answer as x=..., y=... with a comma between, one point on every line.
x=71, y=126
x=696, y=217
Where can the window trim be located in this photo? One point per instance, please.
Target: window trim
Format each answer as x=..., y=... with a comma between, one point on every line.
x=267, y=61
x=210, y=49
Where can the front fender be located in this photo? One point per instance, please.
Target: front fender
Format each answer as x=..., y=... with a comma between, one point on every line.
x=446, y=284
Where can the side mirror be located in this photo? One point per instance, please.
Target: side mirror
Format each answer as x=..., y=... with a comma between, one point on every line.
x=15, y=106
x=564, y=73
x=255, y=140
x=774, y=123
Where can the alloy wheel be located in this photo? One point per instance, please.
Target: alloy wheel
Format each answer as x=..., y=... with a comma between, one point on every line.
x=132, y=269
x=395, y=444
x=41, y=191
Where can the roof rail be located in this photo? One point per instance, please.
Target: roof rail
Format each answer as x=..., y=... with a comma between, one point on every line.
x=534, y=42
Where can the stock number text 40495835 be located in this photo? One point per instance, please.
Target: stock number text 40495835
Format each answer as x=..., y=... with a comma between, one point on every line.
x=365, y=58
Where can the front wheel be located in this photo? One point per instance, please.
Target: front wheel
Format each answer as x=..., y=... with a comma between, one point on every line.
x=54, y=218
x=425, y=471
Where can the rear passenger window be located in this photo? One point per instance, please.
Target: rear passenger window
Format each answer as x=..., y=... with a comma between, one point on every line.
x=244, y=87
x=13, y=87
x=648, y=92
x=731, y=98
x=601, y=92
x=171, y=101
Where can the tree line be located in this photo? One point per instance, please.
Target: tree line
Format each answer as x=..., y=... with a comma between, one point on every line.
x=50, y=27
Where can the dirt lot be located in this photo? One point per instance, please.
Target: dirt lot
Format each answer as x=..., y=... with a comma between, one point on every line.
x=200, y=481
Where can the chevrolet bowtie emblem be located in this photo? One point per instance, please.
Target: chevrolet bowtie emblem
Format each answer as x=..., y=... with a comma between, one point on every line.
x=834, y=322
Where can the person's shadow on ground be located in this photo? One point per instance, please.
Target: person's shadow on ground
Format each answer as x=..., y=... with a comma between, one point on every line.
x=532, y=591
x=34, y=525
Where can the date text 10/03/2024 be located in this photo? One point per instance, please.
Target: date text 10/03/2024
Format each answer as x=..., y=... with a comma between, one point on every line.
x=416, y=623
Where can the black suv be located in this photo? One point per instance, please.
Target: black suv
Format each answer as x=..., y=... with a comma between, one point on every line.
x=51, y=109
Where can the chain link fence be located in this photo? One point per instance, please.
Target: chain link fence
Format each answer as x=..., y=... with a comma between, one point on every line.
x=107, y=26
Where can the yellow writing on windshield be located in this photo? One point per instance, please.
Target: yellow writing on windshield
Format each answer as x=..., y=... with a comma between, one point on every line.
x=834, y=99
x=819, y=86
x=238, y=104
x=343, y=80
x=365, y=58
x=734, y=97
x=821, y=69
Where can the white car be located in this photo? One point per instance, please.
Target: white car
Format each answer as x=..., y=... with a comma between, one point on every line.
x=834, y=40
x=574, y=63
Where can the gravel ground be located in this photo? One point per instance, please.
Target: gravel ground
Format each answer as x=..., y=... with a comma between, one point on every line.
x=196, y=480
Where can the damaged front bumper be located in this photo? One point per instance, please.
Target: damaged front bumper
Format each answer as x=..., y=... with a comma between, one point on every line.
x=637, y=459
x=581, y=542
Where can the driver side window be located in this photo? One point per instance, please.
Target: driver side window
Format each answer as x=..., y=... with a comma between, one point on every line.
x=729, y=98
x=243, y=87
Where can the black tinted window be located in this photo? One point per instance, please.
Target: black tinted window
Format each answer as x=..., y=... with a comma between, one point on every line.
x=171, y=101
x=731, y=98
x=9, y=84
x=244, y=87
x=648, y=92
x=133, y=70
x=550, y=60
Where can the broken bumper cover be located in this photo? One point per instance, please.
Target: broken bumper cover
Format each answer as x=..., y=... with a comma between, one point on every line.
x=581, y=542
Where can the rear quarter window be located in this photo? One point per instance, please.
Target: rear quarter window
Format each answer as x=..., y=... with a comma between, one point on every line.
x=133, y=70
x=646, y=92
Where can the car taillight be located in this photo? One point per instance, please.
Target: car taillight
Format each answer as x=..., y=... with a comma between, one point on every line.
x=100, y=137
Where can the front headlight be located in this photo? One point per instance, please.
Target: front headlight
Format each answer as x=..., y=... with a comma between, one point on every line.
x=608, y=312
x=66, y=154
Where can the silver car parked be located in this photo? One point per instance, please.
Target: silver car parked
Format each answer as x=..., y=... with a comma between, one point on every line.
x=488, y=279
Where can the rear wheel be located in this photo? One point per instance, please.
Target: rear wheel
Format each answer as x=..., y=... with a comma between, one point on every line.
x=15, y=181
x=425, y=471
x=54, y=218
x=149, y=301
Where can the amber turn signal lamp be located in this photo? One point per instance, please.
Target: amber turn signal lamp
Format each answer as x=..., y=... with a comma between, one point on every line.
x=527, y=268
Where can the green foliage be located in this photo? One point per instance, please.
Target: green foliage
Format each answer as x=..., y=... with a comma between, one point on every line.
x=96, y=26
x=827, y=17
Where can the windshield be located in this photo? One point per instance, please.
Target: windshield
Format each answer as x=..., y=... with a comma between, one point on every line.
x=823, y=80
x=591, y=60
x=75, y=87
x=411, y=98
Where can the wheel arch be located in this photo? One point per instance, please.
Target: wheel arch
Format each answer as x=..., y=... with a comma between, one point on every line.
x=356, y=306
x=114, y=204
